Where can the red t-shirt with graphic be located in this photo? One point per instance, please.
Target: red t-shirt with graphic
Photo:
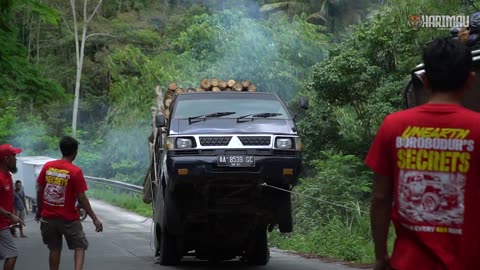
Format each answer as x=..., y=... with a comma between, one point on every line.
x=62, y=182
x=432, y=153
x=6, y=197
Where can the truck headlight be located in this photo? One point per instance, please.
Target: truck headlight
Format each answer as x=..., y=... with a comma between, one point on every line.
x=183, y=143
x=284, y=143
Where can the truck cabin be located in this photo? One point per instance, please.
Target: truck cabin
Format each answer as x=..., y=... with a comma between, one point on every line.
x=415, y=93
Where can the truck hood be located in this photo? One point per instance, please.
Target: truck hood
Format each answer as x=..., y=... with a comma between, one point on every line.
x=230, y=126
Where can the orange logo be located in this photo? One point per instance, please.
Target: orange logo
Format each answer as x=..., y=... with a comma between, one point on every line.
x=415, y=21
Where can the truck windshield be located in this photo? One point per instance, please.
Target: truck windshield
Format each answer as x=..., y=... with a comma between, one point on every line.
x=188, y=108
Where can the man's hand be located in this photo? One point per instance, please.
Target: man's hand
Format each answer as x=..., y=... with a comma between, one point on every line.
x=15, y=220
x=98, y=225
x=38, y=216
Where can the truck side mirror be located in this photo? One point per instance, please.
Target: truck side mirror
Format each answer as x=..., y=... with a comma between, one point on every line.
x=160, y=121
x=304, y=103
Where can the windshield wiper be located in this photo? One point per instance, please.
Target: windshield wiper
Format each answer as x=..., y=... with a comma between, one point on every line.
x=211, y=115
x=258, y=115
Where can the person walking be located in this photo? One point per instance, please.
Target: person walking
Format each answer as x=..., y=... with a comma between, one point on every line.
x=426, y=163
x=19, y=206
x=8, y=164
x=60, y=185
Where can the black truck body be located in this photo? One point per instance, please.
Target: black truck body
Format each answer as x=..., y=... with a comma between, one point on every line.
x=214, y=166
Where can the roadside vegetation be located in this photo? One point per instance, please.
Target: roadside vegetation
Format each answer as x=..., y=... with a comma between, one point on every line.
x=351, y=58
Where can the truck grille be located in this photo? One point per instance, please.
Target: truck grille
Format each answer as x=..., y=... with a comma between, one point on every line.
x=255, y=140
x=215, y=141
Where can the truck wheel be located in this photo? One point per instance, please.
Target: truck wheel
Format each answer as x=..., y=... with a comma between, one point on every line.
x=259, y=253
x=284, y=213
x=169, y=253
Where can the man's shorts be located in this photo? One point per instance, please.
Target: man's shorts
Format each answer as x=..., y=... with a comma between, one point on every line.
x=7, y=246
x=53, y=230
x=20, y=214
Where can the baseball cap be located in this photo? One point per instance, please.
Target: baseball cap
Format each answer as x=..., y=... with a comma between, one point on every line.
x=8, y=150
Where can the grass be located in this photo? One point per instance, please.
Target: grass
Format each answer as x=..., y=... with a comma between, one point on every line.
x=131, y=202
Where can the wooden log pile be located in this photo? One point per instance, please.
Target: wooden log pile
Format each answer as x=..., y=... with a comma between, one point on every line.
x=213, y=85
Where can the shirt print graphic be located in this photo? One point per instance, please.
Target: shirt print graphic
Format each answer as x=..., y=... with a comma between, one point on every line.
x=57, y=181
x=433, y=164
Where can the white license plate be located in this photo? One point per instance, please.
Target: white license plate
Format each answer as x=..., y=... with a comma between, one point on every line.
x=236, y=161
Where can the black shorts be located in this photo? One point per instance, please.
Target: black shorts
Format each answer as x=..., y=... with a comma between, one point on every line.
x=53, y=231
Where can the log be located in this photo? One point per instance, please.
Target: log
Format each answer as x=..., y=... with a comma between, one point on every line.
x=168, y=102
x=214, y=82
x=222, y=85
x=179, y=91
x=237, y=87
x=159, y=92
x=205, y=84
x=252, y=88
x=245, y=84
x=172, y=86
x=199, y=89
x=216, y=89
x=231, y=83
x=190, y=90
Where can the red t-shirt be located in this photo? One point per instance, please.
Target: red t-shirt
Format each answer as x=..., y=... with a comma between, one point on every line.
x=432, y=153
x=62, y=182
x=6, y=197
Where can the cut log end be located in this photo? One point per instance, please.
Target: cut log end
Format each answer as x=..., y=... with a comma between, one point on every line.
x=231, y=83
x=245, y=84
x=216, y=89
x=205, y=84
x=222, y=85
x=172, y=86
x=237, y=87
x=215, y=82
x=252, y=88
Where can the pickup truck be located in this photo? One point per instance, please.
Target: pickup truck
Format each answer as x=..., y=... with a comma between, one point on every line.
x=221, y=165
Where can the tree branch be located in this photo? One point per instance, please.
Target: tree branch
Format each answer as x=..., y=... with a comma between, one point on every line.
x=94, y=11
x=100, y=34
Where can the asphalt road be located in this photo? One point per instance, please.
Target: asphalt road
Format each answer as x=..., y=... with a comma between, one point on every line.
x=125, y=245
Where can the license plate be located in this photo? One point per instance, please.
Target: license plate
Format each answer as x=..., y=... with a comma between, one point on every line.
x=236, y=161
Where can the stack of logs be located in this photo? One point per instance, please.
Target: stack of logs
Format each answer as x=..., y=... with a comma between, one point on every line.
x=213, y=85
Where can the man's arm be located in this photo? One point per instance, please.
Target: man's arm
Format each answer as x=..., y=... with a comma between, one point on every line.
x=381, y=208
x=14, y=219
x=82, y=197
x=40, y=190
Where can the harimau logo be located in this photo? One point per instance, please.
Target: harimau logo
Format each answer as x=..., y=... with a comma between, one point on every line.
x=442, y=22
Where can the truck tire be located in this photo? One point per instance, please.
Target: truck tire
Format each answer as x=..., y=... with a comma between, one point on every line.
x=258, y=253
x=168, y=253
x=284, y=213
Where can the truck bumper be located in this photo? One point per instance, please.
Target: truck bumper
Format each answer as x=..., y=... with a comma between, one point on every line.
x=273, y=169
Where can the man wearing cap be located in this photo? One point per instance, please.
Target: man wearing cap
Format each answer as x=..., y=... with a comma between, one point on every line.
x=8, y=164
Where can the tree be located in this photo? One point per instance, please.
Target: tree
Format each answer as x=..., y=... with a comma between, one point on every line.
x=79, y=52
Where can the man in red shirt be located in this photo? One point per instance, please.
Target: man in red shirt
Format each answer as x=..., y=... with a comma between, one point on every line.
x=8, y=163
x=425, y=158
x=60, y=185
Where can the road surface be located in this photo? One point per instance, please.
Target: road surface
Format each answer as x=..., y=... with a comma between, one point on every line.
x=125, y=245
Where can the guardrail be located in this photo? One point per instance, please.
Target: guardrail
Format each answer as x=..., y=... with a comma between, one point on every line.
x=119, y=185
